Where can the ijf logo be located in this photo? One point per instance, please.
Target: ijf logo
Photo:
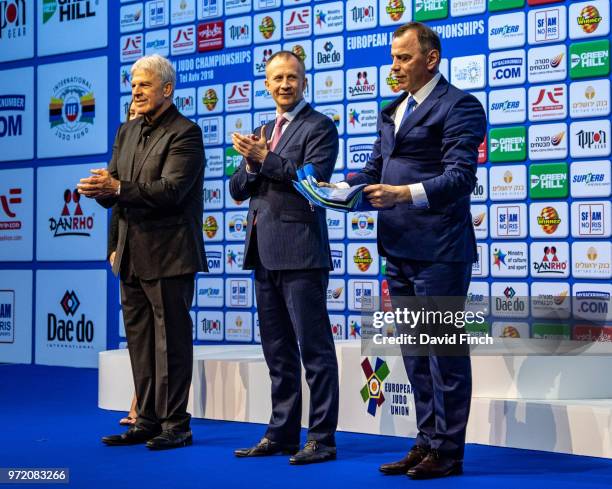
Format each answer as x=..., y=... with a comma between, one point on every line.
x=72, y=108
x=372, y=391
x=71, y=221
x=236, y=226
x=362, y=224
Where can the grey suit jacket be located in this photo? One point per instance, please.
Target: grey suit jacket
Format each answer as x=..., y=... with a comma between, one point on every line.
x=291, y=234
x=160, y=205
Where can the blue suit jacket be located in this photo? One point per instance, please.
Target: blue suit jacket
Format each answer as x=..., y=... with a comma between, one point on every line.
x=291, y=234
x=437, y=146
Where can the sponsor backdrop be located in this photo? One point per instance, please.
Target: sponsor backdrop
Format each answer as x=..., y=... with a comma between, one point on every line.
x=541, y=209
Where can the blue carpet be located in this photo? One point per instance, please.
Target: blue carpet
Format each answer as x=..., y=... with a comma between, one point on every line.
x=51, y=419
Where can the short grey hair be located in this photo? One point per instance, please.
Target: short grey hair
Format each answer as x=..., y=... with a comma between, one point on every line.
x=159, y=65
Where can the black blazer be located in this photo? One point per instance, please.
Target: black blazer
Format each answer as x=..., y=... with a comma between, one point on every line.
x=160, y=204
x=291, y=234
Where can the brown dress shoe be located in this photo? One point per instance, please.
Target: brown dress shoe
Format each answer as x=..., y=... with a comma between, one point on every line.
x=412, y=458
x=436, y=465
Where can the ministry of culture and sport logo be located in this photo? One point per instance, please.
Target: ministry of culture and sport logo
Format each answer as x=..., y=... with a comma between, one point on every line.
x=371, y=392
x=71, y=222
x=68, y=9
x=72, y=108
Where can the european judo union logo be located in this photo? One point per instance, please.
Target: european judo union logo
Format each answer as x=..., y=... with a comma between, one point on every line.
x=372, y=390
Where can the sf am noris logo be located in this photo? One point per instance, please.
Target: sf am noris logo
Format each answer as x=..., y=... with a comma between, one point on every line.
x=72, y=109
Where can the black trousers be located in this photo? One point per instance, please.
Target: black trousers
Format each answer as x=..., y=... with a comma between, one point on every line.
x=293, y=320
x=159, y=336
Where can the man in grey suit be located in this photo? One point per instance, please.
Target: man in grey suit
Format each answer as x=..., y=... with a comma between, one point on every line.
x=156, y=179
x=287, y=246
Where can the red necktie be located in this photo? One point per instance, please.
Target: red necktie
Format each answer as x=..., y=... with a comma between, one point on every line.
x=278, y=131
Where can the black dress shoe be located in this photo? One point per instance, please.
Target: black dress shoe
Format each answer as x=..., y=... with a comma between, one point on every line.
x=133, y=436
x=414, y=457
x=266, y=448
x=313, y=452
x=168, y=439
x=436, y=465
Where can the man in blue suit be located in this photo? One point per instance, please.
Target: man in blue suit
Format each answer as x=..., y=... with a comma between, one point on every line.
x=287, y=246
x=421, y=174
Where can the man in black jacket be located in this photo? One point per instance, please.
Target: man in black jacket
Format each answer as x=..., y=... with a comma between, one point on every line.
x=156, y=178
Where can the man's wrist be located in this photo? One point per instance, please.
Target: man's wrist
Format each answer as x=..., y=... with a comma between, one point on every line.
x=406, y=194
x=118, y=191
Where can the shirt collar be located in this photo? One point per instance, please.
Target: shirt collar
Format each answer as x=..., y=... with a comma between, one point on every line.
x=293, y=112
x=423, y=92
x=162, y=117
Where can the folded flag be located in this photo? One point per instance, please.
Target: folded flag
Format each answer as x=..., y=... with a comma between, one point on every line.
x=340, y=199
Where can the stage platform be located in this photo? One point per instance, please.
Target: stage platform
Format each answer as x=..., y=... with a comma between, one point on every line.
x=549, y=403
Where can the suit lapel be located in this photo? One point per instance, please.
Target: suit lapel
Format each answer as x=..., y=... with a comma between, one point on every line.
x=422, y=110
x=131, y=141
x=292, y=128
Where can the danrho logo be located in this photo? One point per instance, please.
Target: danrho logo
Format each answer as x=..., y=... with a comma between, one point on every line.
x=72, y=221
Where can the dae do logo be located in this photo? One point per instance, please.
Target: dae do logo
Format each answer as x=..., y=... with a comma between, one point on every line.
x=72, y=108
x=71, y=328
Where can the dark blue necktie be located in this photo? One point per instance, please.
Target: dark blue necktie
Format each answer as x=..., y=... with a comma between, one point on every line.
x=409, y=109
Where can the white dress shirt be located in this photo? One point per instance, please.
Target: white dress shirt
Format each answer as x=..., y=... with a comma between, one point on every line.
x=417, y=191
x=287, y=115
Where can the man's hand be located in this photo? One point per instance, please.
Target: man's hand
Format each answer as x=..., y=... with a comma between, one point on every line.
x=384, y=196
x=327, y=184
x=111, y=258
x=100, y=184
x=253, y=148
